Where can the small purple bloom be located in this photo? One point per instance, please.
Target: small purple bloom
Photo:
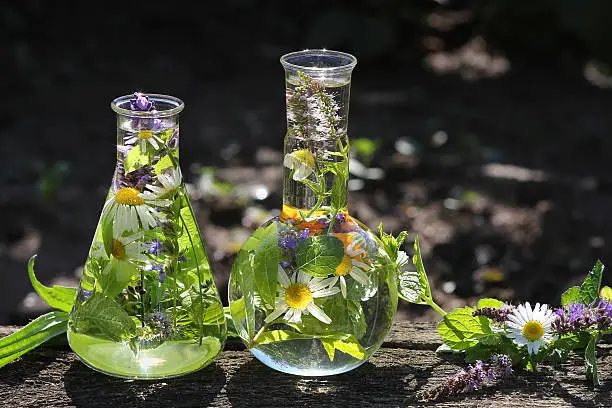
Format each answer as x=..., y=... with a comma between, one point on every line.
x=156, y=247
x=287, y=242
x=324, y=221
x=182, y=258
x=86, y=293
x=141, y=103
x=124, y=150
x=576, y=311
x=605, y=308
x=286, y=265
x=341, y=218
x=162, y=276
x=305, y=234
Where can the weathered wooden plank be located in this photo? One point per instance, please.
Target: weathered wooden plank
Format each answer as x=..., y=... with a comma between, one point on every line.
x=53, y=377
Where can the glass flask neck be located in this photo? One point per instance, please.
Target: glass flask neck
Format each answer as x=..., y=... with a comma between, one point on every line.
x=315, y=171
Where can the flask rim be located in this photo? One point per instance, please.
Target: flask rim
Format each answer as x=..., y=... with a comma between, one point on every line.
x=319, y=61
x=167, y=105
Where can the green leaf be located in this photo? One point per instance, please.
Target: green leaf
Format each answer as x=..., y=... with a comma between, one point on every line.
x=275, y=336
x=243, y=308
x=32, y=335
x=163, y=164
x=590, y=360
x=409, y=286
x=589, y=290
x=108, y=316
x=606, y=293
x=229, y=321
x=320, y=255
x=348, y=345
x=480, y=352
x=338, y=191
x=460, y=330
x=107, y=233
x=265, y=266
x=490, y=302
x=572, y=295
x=391, y=244
x=135, y=159
x=346, y=315
x=418, y=262
x=58, y=297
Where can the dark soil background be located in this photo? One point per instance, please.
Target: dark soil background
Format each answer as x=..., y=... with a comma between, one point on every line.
x=486, y=123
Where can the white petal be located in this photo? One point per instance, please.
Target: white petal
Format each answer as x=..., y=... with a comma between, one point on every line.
x=317, y=312
x=282, y=277
x=156, y=190
x=275, y=314
x=154, y=143
x=325, y=292
x=360, y=276
x=302, y=172
x=333, y=280
x=289, y=161
x=343, y=286
x=361, y=265
x=303, y=278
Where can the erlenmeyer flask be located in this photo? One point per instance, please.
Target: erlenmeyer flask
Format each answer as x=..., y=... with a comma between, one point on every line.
x=147, y=305
x=312, y=292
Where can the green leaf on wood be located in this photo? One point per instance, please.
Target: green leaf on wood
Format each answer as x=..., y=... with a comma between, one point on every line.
x=590, y=360
x=589, y=290
x=58, y=297
x=265, y=265
x=572, y=295
x=108, y=316
x=319, y=256
x=32, y=335
x=460, y=330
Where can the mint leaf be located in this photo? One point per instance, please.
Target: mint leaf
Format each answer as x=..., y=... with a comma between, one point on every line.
x=265, y=266
x=409, y=286
x=108, y=316
x=338, y=191
x=589, y=290
x=391, y=244
x=590, y=359
x=319, y=256
x=490, y=302
x=480, y=352
x=606, y=293
x=107, y=233
x=58, y=297
x=572, y=295
x=460, y=330
x=418, y=262
x=346, y=315
x=32, y=335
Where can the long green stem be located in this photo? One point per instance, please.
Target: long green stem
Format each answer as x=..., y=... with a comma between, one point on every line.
x=435, y=307
x=195, y=256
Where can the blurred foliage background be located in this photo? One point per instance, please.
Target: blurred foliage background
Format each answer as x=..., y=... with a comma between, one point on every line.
x=482, y=125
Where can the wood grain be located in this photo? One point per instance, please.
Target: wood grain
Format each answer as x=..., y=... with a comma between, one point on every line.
x=52, y=377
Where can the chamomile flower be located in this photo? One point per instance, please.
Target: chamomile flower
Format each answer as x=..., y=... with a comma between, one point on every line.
x=301, y=162
x=296, y=297
x=143, y=137
x=170, y=179
x=531, y=328
x=352, y=263
x=130, y=208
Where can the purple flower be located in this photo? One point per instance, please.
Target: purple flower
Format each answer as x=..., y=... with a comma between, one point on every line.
x=305, y=234
x=141, y=103
x=341, y=218
x=576, y=311
x=324, y=221
x=85, y=293
x=156, y=247
x=138, y=178
x=476, y=376
x=498, y=315
x=286, y=265
x=182, y=258
x=160, y=271
x=287, y=242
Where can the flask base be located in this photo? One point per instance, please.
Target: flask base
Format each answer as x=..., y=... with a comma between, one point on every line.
x=170, y=359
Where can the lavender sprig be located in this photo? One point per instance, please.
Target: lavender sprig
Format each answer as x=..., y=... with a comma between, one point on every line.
x=578, y=318
x=497, y=315
x=476, y=376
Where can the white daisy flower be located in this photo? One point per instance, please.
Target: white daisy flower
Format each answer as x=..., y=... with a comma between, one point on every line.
x=301, y=162
x=129, y=208
x=352, y=263
x=125, y=251
x=296, y=296
x=170, y=180
x=530, y=327
x=143, y=137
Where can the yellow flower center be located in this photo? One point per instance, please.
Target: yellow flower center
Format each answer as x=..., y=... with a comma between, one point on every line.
x=345, y=266
x=144, y=134
x=128, y=196
x=298, y=296
x=305, y=157
x=118, y=250
x=533, y=330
